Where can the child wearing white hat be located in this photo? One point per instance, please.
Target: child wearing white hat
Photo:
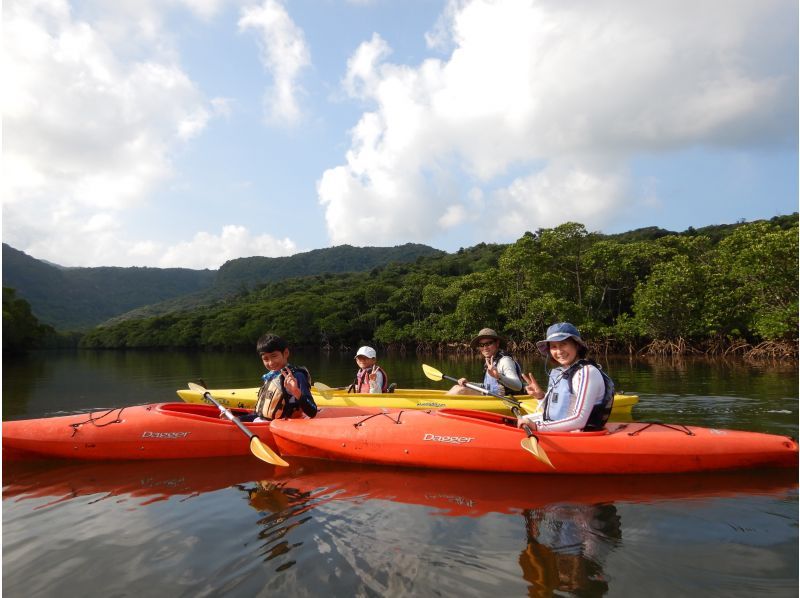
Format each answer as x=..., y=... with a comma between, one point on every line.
x=370, y=377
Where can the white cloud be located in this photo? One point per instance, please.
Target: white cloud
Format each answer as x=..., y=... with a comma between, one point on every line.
x=90, y=122
x=361, y=67
x=207, y=250
x=558, y=193
x=541, y=104
x=284, y=54
x=453, y=216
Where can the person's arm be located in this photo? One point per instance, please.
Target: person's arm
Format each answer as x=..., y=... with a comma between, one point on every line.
x=306, y=400
x=507, y=374
x=375, y=382
x=299, y=391
x=588, y=387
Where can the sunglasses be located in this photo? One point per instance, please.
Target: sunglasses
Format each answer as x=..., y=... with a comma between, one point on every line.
x=486, y=344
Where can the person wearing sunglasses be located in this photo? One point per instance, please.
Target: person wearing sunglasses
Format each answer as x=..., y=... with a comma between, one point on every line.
x=501, y=373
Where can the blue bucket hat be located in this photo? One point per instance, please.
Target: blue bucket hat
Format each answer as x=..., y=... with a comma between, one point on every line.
x=560, y=332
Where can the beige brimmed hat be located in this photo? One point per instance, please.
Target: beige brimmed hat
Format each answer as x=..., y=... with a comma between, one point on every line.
x=486, y=333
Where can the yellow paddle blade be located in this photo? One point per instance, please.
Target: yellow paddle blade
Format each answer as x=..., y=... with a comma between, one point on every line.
x=258, y=448
x=531, y=444
x=529, y=406
x=325, y=390
x=263, y=452
x=432, y=373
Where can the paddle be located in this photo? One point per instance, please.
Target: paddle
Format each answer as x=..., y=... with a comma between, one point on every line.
x=530, y=444
x=258, y=448
x=325, y=390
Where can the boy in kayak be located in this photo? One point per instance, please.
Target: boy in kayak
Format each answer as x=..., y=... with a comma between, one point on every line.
x=501, y=373
x=370, y=377
x=286, y=388
x=579, y=394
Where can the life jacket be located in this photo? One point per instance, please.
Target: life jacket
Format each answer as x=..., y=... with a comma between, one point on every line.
x=271, y=403
x=361, y=383
x=492, y=384
x=600, y=412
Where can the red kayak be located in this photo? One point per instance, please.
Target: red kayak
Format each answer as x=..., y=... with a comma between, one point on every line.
x=480, y=441
x=157, y=431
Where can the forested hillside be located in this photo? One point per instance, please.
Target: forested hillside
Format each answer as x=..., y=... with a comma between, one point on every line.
x=722, y=289
x=236, y=277
x=79, y=298
x=21, y=330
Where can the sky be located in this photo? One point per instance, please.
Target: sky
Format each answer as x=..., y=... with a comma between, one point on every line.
x=185, y=133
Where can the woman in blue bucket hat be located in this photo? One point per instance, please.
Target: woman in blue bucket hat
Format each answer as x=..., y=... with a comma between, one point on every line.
x=579, y=394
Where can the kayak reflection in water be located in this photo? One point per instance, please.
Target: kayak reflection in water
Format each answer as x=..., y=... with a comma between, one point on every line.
x=567, y=545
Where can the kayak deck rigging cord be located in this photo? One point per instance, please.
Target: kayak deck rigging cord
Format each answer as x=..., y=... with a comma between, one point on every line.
x=369, y=417
x=676, y=427
x=94, y=421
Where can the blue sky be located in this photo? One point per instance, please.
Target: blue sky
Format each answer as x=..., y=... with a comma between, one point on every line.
x=185, y=133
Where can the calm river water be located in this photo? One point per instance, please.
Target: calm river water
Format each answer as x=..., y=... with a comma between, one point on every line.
x=239, y=527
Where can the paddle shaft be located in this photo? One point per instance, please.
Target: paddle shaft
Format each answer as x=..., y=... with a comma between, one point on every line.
x=514, y=404
x=525, y=427
x=530, y=444
x=228, y=414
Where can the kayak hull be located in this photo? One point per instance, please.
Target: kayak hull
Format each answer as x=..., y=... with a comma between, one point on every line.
x=156, y=431
x=480, y=441
x=402, y=398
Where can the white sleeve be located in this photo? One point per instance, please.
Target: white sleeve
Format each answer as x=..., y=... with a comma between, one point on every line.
x=377, y=386
x=508, y=374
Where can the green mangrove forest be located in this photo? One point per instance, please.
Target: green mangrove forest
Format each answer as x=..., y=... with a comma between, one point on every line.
x=731, y=289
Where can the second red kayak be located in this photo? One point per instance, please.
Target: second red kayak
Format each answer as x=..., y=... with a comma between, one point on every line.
x=479, y=441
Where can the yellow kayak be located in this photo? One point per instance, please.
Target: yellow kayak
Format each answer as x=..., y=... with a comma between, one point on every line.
x=401, y=398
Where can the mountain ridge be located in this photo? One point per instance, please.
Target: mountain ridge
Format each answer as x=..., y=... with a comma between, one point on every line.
x=78, y=298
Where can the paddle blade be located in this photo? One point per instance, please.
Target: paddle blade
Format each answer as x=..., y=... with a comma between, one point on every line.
x=263, y=452
x=325, y=390
x=531, y=444
x=258, y=448
x=432, y=373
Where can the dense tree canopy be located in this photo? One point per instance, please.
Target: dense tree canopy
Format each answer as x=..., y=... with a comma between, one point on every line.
x=684, y=291
x=21, y=329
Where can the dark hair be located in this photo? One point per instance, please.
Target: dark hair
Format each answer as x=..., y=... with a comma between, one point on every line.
x=270, y=342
